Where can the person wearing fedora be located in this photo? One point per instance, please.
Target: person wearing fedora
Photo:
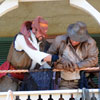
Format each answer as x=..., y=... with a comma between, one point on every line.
x=76, y=49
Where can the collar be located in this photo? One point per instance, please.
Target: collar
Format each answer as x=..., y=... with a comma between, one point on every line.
x=34, y=39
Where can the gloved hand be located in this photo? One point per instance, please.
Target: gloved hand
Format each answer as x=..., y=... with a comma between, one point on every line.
x=58, y=64
x=66, y=64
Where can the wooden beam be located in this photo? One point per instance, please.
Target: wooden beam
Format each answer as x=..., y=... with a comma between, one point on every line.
x=84, y=5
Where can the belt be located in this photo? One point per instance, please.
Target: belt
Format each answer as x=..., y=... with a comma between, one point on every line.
x=76, y=80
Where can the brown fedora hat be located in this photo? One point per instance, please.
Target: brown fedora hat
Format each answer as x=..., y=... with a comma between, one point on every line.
x=78, y=32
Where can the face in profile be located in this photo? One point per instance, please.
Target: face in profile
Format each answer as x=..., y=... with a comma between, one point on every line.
x=74, y=43
x=41, y=34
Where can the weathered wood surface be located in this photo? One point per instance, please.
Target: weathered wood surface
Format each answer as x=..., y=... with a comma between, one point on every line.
x=88, y=69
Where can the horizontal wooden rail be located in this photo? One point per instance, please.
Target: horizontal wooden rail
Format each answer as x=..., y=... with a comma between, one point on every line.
x=92, y=69
x=88, y=69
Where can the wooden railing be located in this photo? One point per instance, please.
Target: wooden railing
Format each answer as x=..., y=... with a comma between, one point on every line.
x=49, y=95
x=88, y=69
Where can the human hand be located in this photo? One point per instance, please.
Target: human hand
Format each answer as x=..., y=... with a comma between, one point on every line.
x=48, y=58
x=69, y=65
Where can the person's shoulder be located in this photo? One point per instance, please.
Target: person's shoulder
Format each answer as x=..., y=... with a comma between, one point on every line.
x=61, y=37
x=91, y=40
x=19, y=36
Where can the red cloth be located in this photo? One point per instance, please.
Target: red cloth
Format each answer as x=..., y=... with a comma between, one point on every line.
x=36, y=24
x=6, y=66
x=16, y=75
x=25, y=30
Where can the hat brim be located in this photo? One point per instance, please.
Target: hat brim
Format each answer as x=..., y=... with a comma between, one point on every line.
x=79, y=38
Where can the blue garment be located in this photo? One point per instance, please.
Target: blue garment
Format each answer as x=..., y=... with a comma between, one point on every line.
x=54, y=58
x=83, y=80
x=43, y=79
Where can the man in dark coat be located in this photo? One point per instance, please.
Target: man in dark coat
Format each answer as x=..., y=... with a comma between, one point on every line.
x=76, y=50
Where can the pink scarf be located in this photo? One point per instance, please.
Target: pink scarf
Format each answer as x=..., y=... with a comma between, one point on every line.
x=38, y=24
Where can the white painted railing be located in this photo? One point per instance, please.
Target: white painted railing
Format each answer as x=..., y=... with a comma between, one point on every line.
x=45, y=95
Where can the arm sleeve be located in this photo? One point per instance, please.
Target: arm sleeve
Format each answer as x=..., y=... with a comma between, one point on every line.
x=35, y=55
x=92, y=59
x=54, y=46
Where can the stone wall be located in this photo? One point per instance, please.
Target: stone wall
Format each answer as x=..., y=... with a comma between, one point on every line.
x=58, y=13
